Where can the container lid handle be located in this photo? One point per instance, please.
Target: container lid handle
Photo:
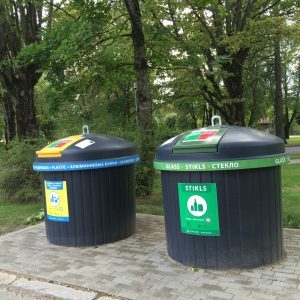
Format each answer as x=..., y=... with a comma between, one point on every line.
x=214, y=118
x=85, y=129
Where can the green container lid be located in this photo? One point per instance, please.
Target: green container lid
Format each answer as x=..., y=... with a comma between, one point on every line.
x=219, y=148
x=201, y=140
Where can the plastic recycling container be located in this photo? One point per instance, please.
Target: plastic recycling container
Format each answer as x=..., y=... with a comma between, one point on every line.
x=88, y=189
x=222, y=197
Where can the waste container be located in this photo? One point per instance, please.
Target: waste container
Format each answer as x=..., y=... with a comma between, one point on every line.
x=222, y=196
x=88, y=189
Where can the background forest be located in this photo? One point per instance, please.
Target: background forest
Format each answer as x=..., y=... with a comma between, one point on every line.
x=141, y=70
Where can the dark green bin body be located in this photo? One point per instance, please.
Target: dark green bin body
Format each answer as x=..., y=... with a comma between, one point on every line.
x=249, y=202
x=100, y=191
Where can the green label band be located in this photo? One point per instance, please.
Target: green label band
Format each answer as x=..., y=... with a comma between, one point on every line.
x=221, y=165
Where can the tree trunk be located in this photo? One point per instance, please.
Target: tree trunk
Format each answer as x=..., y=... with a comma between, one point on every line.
x=286, y=131
x=8, y=103
x=19, y=26
x=289, y=118
x=279, y=120
x=203, y=114
x=25, y=108
x=208, y=115
x=234, y=86
x=9, y=117
x=253, y=106
x=18, y=102
x=144, y=103
x=193, y=116
x=287, y=124
x=286, y=106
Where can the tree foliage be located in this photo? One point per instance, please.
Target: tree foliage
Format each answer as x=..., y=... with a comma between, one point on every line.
x=20, y=24
x=146, y=70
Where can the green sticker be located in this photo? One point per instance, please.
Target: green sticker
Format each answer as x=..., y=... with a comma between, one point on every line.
x=221, y=165
x=193, y=136
x=199, y=209
x=203, y=140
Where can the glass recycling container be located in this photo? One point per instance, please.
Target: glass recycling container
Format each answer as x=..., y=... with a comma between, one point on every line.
x=222, y=196
x=88, y=189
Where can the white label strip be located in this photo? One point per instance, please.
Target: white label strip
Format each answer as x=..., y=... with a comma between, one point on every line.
x=85, y=143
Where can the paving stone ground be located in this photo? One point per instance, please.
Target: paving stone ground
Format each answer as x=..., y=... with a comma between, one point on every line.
x=139, y=267
x=292, y=150
x=295, y=161
x=21, y=288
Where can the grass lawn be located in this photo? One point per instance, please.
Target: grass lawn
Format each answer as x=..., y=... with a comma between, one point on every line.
x=152, y=204
x=13, y=215
x=290, y=197
x=294, y=156
x=294, y=140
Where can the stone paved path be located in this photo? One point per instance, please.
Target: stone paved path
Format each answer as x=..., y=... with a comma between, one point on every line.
x=139, y=268
x=14, y=287
x=292, y=150
x=295, y=161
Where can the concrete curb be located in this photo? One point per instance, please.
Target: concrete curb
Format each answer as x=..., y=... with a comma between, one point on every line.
x=18, y=286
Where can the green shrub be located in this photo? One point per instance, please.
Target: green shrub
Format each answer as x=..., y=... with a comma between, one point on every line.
x=18, y=182
x=163, y=133
x=144, y=179
x=170, y=120
x=47, y=126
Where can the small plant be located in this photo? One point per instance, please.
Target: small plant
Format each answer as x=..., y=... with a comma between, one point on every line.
x=292, y=221
x=33, y=219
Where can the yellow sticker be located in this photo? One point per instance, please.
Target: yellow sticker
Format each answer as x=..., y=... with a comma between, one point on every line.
x=56, y=148
x=57, y=201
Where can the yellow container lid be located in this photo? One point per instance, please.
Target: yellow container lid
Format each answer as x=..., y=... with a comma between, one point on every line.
x=56, y=148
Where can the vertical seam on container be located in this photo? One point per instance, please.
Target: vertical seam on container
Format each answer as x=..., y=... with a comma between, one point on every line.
x=127, y=209
x=274, y=171
x=74, y=209
x=174, y=218
x=181, y=176
x=194, y=248
x=68, y=223
x=261, y=217
x=280, y=212
x=205, y=238
x=239, y=202
x=101, y=202
x=215, y=238
x=61, y=223
x=82, y=202
x=110, y=210
x=131, y=190
x=59, y=228
x=123, y=213
x=197, y=238
x=185, y=237
x=270, y=225
x=227, y=216
x=93, y=205
x=120, y=187
x=165, y=199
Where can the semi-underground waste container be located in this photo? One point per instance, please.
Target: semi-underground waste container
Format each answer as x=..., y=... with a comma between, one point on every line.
x=88, y=189
x=222, y=197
